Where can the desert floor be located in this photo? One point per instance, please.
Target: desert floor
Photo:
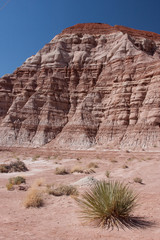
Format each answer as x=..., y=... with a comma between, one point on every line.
x=59, y=218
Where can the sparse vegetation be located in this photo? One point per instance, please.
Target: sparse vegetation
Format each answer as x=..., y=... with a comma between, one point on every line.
x=138, y=180
x=61, y=171
x=17, y=180
x=107, y=174
x=34, y=198
x=10, y=187
x=63, y=190
x=113, y=160
x=130, y=159
x=35, y=158
x=4, y=168
x=108, y=204
x=125, y=166
x=92, y=165
x=17, y=166
x=77, y=169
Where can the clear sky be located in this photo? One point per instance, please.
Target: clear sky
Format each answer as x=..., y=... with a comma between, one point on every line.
x=27, y=25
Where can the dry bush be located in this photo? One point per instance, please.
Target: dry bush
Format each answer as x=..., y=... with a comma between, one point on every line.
x=34, y=198
x=17, y=180
x=4, y=168
x=10, y=187
x=113, y=160
x=107, y=174
x=92, y=165
x=17, y=166
x=77, y=169
x=138, y=180
x=35, y=158
x=63, y=190
x=61, y=171
x=125, y=166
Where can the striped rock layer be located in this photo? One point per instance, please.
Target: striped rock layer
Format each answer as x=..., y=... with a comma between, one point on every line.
x=92, y=86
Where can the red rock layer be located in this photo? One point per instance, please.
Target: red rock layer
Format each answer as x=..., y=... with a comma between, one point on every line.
x=100, y=28
x=93, y=85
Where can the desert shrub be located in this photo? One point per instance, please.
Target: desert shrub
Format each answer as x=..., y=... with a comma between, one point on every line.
x=130, y=159
x=77, y=169
x=138, y=180
x=61, y=171
x=34, y=198
x=92, y=165
x=108, y=204
x=125, y=166
x=63, y=190
x=4, y=168
x=17, y=180
x=17, y=166
x=35, y=158
x=107, y=174
x=9, y=186
x=114, y=161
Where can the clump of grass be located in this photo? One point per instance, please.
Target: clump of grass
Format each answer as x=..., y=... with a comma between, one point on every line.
x=107, y=174
x=35, y=158
x=17, y=166
x=34, y=198
x=17, y=180
x=77, y=169
x=4, y=168
x=63, y=190
x=138, y=180
x=130, y=159
x=92, y=165
x=125, y=166
x=108, y=204
x=10, y=187
x=113, y=160
x=61, y=171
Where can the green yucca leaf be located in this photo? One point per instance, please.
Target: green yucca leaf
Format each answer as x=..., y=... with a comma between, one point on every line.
x=110, y=203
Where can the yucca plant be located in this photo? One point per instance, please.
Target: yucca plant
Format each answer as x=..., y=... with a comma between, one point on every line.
x=108, y=204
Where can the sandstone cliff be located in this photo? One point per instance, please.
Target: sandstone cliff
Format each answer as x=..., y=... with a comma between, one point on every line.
x=93, y=85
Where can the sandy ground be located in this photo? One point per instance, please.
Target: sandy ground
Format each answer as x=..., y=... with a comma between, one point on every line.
x=59, y=219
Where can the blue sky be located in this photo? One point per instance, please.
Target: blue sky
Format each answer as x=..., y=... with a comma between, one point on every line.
x=27, y=25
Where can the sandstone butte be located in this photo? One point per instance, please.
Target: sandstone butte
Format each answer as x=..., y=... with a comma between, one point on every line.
x=93, y=86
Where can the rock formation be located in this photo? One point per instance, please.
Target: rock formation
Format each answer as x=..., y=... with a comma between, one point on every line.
x=93, y=85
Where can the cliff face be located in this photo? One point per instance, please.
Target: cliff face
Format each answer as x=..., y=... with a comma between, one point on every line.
x=93, y=85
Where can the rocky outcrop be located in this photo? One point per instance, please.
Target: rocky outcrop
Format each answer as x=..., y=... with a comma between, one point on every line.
x=93, y=85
